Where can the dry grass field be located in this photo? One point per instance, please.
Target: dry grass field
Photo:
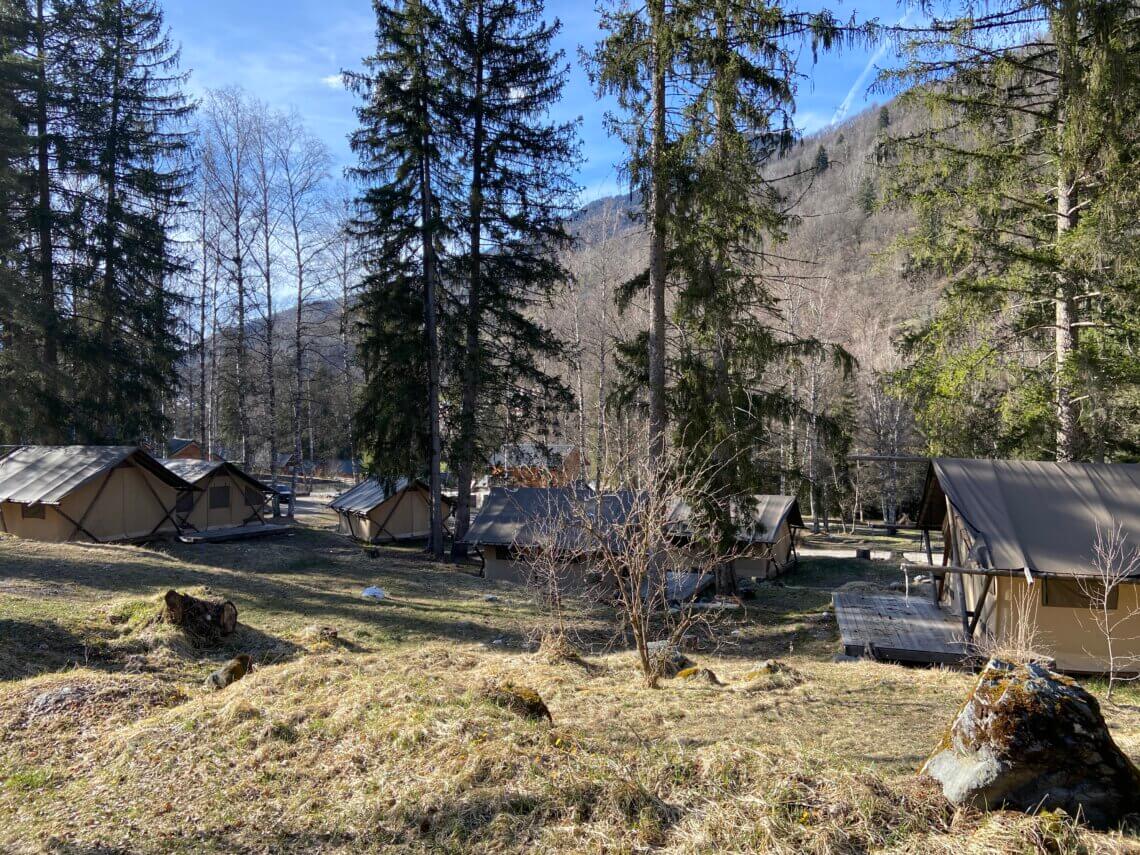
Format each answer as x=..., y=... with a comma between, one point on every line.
x=382, y=740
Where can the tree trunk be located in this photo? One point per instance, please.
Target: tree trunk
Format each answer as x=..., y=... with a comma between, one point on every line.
x=298, y=350
x=49, y=321
x=202, y=329
x=427, y=239
x=603, y=452
x=110, y=169
x=346, y=365
x=270, y=379
x=1064, y=339
x=657, y=209
x=472, y=364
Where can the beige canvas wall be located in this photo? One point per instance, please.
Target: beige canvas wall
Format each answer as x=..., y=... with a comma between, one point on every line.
x=236, y=511
x=1070, y=635
x=53, y=527
x=405, y=515
x=574, y=577
x=123, y=509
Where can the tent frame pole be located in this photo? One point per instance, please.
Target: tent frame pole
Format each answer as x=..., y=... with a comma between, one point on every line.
x=59, y=510
x=91, y=504
x=167, y=512
x=387, y=519
x=976, y=614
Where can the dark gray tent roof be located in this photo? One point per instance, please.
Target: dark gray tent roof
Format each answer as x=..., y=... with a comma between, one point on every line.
x=763, y=527
x=176, y=444
x=372, y=492
x=1039, y=516
x=534, y=516
x=366, y=495
x=45, y=474
x=196, y=470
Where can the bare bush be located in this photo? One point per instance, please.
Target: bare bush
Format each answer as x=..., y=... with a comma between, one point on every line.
x=628, y=539
x=1019, y=640
x=1114, y=565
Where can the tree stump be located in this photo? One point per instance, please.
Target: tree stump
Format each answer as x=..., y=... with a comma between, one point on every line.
x=203, y=619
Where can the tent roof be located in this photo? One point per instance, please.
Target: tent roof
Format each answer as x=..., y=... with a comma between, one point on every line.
x=45, y=474
x=769, y=516
x=372, y=492
x=531, y=454
x=525, y=516
x=1039, y=516
x=196, y=470
x=176, y=444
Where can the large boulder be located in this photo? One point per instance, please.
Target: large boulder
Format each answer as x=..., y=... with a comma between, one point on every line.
x=1030, y=739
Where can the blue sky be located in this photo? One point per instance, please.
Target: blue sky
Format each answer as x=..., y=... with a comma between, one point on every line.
x=289, y=53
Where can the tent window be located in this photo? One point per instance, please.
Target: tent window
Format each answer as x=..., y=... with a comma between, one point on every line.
x=1075, y=593
x=219, y=497
x=32, y=512
x=185, y=503
x=254, y=498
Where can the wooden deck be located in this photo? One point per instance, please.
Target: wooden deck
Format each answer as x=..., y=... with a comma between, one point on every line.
x=237, y=532
x=898, y=629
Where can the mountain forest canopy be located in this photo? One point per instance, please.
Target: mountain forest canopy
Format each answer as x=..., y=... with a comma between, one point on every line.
x=951, y=272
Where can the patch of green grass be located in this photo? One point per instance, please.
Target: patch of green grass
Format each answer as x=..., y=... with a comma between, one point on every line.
x=25, y=780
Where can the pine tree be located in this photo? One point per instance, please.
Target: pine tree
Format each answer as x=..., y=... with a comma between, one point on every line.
x=821, y=161
x=129, y=139
x=867, y=196
x=636, y=61
x=18, y=327
x=1021, y=179
x=401, y=229
x=502, y=79
x=735, y=88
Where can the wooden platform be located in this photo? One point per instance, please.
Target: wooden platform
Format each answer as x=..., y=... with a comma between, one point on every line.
x=237, y=532
x=898, y=629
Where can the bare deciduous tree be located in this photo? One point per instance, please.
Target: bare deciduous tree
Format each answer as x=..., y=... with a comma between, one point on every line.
x=629, y=539
x=1115, y=566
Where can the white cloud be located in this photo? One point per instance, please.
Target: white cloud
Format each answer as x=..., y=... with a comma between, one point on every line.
x=333, y=81
x=858, y=87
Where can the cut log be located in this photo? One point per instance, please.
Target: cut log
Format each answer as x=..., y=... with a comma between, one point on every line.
x=203, y=619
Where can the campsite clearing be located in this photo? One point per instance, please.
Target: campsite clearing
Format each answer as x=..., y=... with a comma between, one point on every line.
x=380, y=737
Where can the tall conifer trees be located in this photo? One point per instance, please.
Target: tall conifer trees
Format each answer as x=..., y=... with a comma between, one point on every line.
x=402, y=231
x=1021, y=176
x=706, y=92
x=466, y=185
x=95, y=89
x=513, y=190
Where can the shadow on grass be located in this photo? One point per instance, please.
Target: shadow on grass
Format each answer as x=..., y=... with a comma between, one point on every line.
x=38, y=647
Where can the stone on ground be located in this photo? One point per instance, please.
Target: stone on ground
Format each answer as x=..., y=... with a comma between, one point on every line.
x=521, y=700
x=1033, y=740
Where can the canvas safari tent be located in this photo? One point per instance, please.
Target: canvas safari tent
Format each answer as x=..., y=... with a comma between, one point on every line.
x=188, y=449
x=1020, y=540
x=766, y=540
x=375, y=512
x=224, y=496
x=516, y=524
x=87, y=493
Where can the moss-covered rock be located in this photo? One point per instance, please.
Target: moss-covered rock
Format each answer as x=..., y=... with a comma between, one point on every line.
x=521, y=700
x=702, y=675
x=1030, y=739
